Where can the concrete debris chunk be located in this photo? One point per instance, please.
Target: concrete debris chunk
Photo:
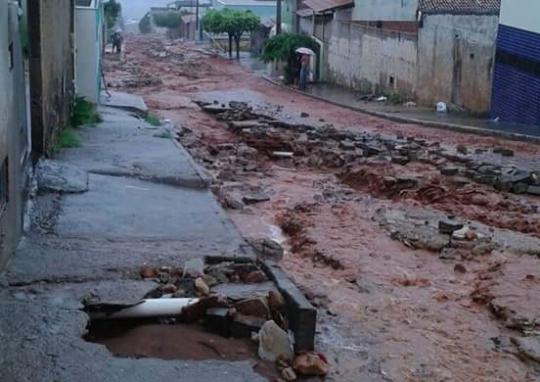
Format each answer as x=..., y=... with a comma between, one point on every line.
x=194, y=268
x=274, y=343
x=310, y=364
x=55, y=176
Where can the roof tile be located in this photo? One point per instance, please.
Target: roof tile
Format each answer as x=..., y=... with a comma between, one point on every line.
x=460, y=6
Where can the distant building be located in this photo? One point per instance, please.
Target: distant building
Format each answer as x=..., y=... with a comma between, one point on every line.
x=88, y=48
x=516, y=80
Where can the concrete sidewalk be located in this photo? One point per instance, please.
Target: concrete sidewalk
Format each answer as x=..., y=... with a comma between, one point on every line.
x=145, y=203
x=416, y=115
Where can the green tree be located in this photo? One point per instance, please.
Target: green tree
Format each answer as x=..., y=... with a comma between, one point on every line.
x=112, y=11
x=233, y=23
x=169, y=19
x=283, y=48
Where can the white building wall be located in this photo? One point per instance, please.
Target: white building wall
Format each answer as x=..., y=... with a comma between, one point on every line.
x=522, y=14
x=456, y=58
x=87, y=53
x=371, y=59
x=384, y=10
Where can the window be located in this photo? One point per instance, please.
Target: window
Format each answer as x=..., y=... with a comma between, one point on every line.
x=4, y=185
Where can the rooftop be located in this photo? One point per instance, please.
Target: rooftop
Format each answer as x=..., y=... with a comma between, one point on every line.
x=460, y=6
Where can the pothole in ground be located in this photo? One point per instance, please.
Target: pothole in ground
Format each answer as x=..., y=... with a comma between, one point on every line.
x=179, y=341
x=221, y=309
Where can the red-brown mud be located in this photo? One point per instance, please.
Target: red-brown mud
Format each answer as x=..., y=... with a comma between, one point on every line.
x=387, y=312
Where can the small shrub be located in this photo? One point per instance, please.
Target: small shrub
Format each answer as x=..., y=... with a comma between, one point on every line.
x=66, y=138
x=84, y=113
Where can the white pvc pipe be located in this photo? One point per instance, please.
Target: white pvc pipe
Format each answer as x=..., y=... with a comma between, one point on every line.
x=158, y=307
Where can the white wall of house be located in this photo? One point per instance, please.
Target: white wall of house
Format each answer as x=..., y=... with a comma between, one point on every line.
x=88, y=37
x=455, y=60
x=384, y=10
x=522, y=14
x=371, y=59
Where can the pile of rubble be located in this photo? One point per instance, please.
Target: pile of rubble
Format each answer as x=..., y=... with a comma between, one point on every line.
x=325, y=146
x=232, y=298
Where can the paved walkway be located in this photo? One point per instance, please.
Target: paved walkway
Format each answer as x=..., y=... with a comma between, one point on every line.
x=145, y=203
x=418, y=115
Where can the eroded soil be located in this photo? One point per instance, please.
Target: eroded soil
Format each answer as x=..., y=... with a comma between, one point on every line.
x=357, y=208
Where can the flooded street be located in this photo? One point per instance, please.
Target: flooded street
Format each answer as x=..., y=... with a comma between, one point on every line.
x=420, y=247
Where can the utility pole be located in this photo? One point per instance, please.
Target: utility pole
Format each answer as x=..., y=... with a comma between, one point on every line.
x=198, y=25
x=278, y=17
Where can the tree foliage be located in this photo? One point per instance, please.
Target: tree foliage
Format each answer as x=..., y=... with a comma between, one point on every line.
x=169, y=19
x=283, y=47
x=233, y=23
x=112, y=11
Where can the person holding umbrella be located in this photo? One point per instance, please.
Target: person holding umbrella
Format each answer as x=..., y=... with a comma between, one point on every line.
x=305, y=54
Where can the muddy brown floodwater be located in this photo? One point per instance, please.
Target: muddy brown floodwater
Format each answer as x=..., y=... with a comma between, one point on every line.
x=397, y=300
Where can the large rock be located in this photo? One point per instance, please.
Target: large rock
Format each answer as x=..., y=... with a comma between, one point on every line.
x=274, y=343
x=256, y=307
x=310, y=364
x=55, y=176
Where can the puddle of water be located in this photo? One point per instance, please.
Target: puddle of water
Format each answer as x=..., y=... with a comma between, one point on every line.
x=150, y=339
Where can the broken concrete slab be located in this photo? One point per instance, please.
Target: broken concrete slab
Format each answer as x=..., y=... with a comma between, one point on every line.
x=123, y=101
x=244, y=291
x=59, y=176
x=137, y=209
x=121, y=146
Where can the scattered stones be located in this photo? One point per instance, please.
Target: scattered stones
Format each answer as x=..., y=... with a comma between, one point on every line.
x=304, y=114
x=310, y=364
x=243, y=326
x=268, y=249
x=483, y=249
x=449, y=170
x=462, y=149
x=464, y=233
x=256, y=307
x=288, y=374
x=448, y=226
x=201, y=287
x=238, y=292
x=282, y=154
x=274, y=343
x=255, y=277
x=503, y=151
x=255, y=197
x=460, y=268
x=194, y=268
x=275, y=300
x=147, y=272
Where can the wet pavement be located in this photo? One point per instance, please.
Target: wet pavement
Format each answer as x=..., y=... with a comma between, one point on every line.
x=353, y=99
x=91, y=244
